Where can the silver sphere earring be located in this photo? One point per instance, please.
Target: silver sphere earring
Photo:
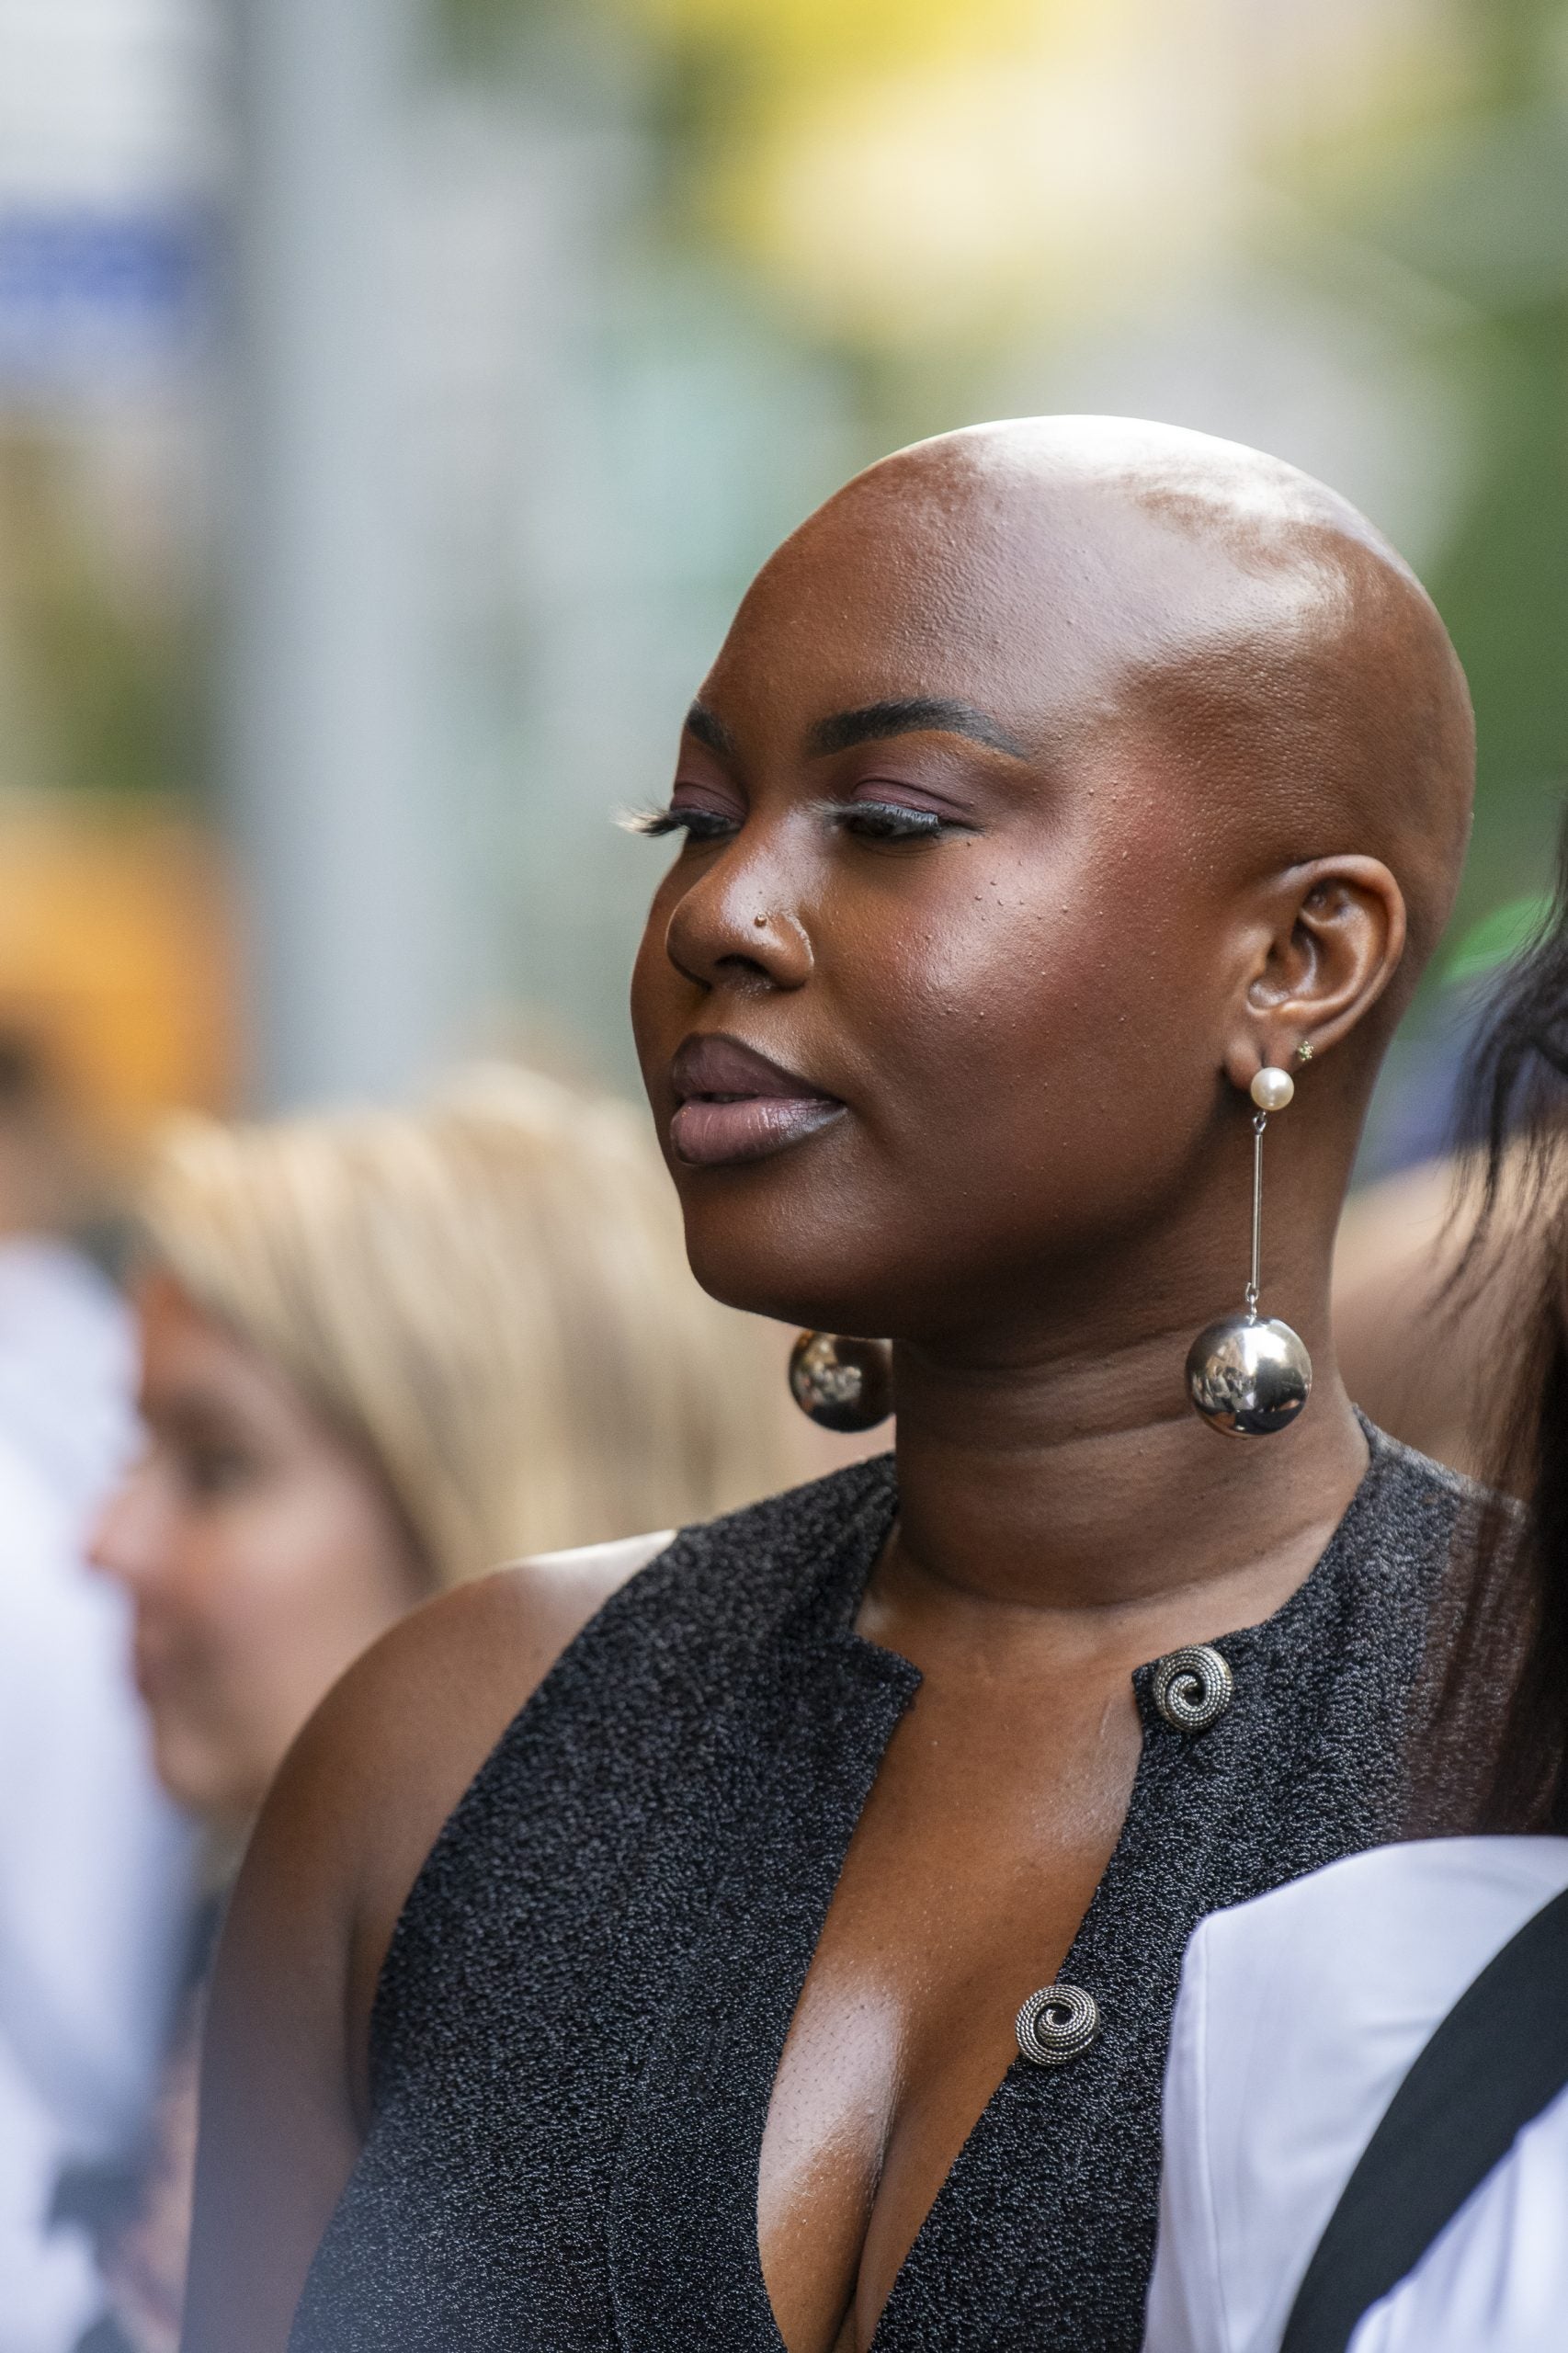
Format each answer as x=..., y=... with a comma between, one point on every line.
x=842, y=1384
x=1249, y=1374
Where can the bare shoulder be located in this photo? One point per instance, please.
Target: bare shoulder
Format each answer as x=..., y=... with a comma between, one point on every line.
x=399, y=1741
x=355, y=1811
x=430, y=1699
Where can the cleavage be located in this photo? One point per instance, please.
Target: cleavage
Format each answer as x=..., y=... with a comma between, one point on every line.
x=988, y=1827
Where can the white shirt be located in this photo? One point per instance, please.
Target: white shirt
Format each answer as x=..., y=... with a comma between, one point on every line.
x=94, y=1864
x=1299, y=2016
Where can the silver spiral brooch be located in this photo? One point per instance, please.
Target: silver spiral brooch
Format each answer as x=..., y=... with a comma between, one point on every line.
x=1193, y=1687
x=1057, y=2024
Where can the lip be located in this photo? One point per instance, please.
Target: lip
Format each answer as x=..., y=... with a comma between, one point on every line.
x=736, y=1105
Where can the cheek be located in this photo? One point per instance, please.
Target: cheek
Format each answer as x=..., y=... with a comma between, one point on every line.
x=1024, y=1035
x=314, y=1572
x=292, y=1588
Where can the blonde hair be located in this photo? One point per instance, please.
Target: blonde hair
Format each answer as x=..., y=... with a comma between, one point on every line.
x=490, y=1295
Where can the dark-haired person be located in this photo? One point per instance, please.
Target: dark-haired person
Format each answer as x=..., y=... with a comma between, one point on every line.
x=1366, y=2116
x=780, y=1942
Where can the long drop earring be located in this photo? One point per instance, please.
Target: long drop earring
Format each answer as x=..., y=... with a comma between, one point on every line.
x=1251, y=1374
x=842, y=1384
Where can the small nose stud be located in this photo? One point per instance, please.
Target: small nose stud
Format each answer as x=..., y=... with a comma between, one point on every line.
x=759, y=921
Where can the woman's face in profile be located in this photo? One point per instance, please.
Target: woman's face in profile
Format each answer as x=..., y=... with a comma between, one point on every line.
x=930, y=1002
x=259, y=1549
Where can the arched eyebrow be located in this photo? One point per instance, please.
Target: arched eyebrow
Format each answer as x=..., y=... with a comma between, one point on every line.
x=711, y=730
x=876, y=721
x=872, y=722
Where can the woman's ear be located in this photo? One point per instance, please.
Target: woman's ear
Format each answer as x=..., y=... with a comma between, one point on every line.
x=1336, y=936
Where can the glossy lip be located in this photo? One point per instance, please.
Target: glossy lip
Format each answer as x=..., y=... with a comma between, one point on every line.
x=736, y=1105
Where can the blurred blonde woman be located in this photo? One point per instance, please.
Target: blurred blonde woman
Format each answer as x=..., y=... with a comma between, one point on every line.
x=383, y=1351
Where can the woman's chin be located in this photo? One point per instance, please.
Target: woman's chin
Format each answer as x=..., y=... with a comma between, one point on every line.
x=785, y=1285
x=204, y=1780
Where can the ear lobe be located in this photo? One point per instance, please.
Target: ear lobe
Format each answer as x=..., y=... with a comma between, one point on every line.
x=1335, y=942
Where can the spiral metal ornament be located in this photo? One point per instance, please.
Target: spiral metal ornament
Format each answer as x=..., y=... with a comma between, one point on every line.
x=1057, y=2024
x=1193, y=1687
x=842, y=1384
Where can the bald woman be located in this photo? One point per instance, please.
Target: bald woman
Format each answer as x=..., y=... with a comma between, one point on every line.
x=632, y=1951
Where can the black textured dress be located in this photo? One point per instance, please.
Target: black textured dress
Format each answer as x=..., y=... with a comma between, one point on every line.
x=581, y=2013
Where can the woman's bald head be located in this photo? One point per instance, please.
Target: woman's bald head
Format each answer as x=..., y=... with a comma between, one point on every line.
x=1119, y=575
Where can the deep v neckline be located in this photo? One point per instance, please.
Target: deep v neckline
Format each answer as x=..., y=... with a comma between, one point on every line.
x=997, y=2108
x=1154, y=1762
x=807, y=1747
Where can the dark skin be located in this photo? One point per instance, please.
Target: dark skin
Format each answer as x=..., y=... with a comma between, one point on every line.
x=1177, y=758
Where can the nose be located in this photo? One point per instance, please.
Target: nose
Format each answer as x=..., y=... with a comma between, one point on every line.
x=126, y=1539
x=736, y=922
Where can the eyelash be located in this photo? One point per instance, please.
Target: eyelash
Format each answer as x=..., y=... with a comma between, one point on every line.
x=699, y=824
x=882, y=821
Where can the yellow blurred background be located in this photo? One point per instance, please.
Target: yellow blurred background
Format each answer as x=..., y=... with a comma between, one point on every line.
x=116, y=953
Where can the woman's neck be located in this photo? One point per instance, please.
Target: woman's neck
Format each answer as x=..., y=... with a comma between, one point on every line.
x=1085, y=1484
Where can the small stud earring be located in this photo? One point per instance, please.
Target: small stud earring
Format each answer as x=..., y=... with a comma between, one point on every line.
x=1304, y=1051
x=1245, y=1374
x=842, y=1384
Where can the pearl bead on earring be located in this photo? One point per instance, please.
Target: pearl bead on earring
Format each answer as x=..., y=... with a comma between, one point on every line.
x=1272, y=1089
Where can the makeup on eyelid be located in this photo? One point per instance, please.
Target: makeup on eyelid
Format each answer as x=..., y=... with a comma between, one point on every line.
x=701, y=812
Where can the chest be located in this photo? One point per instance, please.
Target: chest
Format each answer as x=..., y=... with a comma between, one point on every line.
x=990, y=1825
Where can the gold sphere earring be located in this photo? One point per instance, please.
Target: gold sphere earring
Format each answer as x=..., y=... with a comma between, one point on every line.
x=841, y=1384
x=1247, y=1374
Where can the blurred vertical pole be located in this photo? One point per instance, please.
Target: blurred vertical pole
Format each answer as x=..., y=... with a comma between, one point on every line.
x=324, y=736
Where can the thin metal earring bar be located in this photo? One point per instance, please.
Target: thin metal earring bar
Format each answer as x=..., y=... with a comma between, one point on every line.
x=1259, y=1125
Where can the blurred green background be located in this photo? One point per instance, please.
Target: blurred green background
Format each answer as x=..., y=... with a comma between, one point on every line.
x=659, y=273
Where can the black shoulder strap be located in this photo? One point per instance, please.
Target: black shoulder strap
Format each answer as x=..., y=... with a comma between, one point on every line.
x=1498, y=2058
